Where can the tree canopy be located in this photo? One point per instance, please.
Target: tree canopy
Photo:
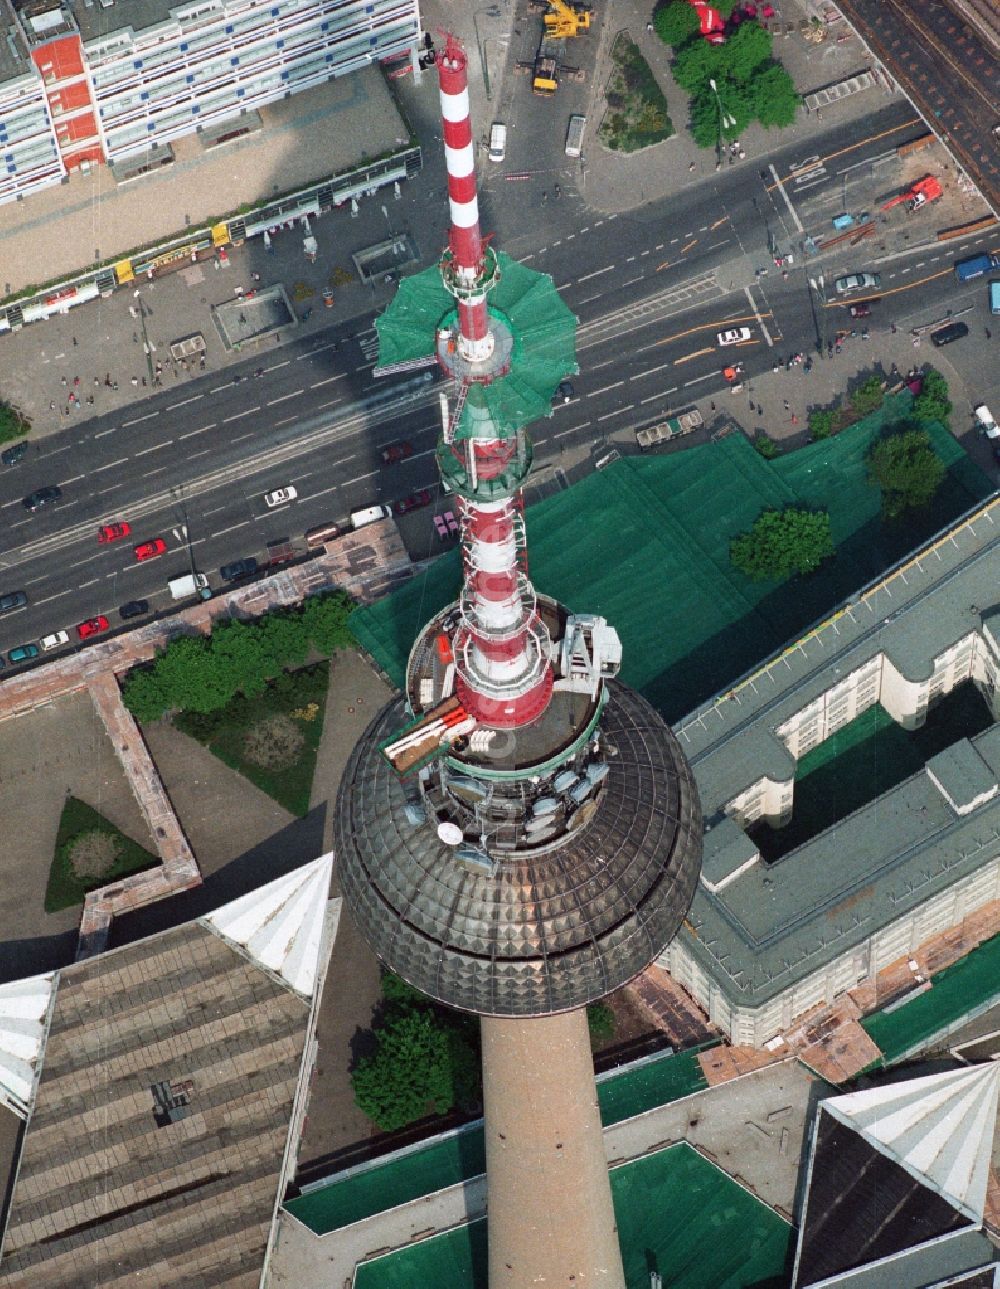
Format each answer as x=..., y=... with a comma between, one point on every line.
x=203, y=673
x=906, y=468
x=749, y=84
x=676, y=23
x=869, y=396
x=12, y=424
x=783, y=542
x=932, y=403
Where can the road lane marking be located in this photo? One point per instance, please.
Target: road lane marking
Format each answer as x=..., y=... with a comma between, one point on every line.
x=358, y=478
x=296, y=393
x=698, y=379
x=155, y=448
x=184, y=402
x=650, y=371
x=617, y=412
x=760, y=320
x=604, y=389
x=110, y=466
x=191, y=433
x=787, y=199
x=101, y=433
x=329, y=380
x=232, y=528
x=139, y=419
x=239, y=415
x=596, y=273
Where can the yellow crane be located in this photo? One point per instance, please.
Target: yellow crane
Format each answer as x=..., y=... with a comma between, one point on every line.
x=562, y=19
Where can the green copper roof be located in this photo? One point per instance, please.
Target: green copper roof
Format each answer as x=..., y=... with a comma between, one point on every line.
x=543, y=328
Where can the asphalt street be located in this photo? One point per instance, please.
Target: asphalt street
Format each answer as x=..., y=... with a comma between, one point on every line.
x=651, y=289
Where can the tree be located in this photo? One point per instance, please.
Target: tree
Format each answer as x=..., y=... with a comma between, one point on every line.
x=12, y=424
x=868, y=396
x=932, y=403
x=906, y=468
x=600, y=1024
x=696, y=63
x=707, y=113
x=746, y=51
x=143, y=694
x=285, y=639
x=767, y=448
x=774, y=97
x=783, y=542
x=676, y=23
x=410, y=1073
x=821, y=422
x=325, y=620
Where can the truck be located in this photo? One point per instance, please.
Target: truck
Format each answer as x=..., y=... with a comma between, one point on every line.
x=672, y=428
x=995, y=297
x=369, y=515
x=574, y=134
x=182, y=588
x=976, y=265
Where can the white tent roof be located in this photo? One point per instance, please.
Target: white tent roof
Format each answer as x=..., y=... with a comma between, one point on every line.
x=23, y=1007
x=940, y=1127
x=280, y=925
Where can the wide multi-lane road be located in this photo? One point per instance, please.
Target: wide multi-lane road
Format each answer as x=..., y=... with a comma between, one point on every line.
x=651, y=291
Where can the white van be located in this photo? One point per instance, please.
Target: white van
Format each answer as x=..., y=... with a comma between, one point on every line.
x=370, y=515
x=987, y=426
x=498, y=141
x=574, y=135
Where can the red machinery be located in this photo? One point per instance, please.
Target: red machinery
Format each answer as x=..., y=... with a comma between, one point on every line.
x=918, y=194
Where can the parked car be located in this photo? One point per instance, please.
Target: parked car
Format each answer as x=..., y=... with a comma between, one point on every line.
x=393, y=453
x=279, y=496
x=133, y=609
x=113, y=532
x=92, y=627
x=12, y=600
x=856, y=282
x=238, y=569
x=564, y=392
x=11, y=455
x=863, y=310
x=149, y=550
x=55, y=641
x=945, y=335
x=41, y=497
x=422, y=497
x=322, y=534
x=23, y=653
x=734, y=336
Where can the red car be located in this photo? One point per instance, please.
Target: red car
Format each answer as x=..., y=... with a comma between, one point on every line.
x=396, y=452
x=92, y=627
x=414, y=501
x=113, y=532
x=149, y=550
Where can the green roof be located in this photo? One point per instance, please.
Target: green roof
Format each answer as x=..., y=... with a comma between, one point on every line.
x=461, y=1155
x=960, y=991
x=676, y=1212
x=645, y=542
x=543, y=328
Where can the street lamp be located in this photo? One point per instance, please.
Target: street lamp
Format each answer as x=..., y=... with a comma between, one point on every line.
x=725, y=122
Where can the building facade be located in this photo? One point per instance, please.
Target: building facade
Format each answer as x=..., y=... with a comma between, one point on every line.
x=80, y=86
x=764, y=941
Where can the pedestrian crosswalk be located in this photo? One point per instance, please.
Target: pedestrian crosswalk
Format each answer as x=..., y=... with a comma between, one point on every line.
x=368, y=340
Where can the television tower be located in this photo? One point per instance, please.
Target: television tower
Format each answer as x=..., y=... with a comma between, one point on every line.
x=520, y=833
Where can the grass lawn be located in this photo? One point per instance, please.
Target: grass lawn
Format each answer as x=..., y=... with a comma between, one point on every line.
x=65, y=887
x=637, y=109
x=298, y=697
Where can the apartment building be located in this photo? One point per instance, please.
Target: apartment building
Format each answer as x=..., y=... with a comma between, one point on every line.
x=770, y=936
x=89, y=81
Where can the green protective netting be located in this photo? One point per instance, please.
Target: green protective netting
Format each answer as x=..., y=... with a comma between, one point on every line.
x=676, y=1213
x=969, y=986
x=543, y=328
x=462, y=1155
x=645, y=542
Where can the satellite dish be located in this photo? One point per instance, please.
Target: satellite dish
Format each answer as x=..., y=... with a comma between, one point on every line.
x=450, y=833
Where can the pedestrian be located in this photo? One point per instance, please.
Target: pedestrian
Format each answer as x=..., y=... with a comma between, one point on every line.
x=97, y=383
x=786, y=404
x=712, y=406
x=144, y=380
x=52, y=406
x=135, y=380
x=76, y=380
x=795, y=419
x=989, y=334
x=62, y=379
x=90, y=399
x=114, y=386
x=135, y=337
x=107, y=379
x=74, y=342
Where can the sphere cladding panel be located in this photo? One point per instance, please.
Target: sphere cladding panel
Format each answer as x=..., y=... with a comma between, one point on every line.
x=553, y=929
